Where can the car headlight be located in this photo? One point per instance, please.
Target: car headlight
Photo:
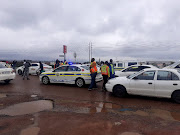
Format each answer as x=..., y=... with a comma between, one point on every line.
x=109, y=82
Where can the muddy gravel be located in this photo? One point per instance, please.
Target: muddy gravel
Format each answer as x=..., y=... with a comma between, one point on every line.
x=27, y=107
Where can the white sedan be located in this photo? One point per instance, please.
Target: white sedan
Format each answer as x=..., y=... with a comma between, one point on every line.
x=132, y=69
x=34, y=68
x=69, y=74
x=148, y=82
x=6, y=74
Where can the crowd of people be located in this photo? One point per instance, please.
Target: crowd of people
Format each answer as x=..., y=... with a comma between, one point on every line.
x=107, y=71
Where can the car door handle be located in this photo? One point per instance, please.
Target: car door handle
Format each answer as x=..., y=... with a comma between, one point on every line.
x=149, y=83
x=175, y=84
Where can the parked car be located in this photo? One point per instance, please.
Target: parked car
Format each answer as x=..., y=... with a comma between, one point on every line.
x=175, y=65
x=148, y=82
x=6, y=74
x=34, y=69
x=132, y=69
x=119, y=65
x=69, y=74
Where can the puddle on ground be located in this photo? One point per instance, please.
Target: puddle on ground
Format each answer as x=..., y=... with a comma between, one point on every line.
x=27, y=108
x=30, y=131
x=104, y=107
x=3, y=95
x=130, y=133
x=33, y=96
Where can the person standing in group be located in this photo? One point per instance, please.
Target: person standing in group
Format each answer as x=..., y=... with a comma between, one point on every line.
x=14, y=64
x=26, y=70
x=105, y=73
x=93, y=70
x=40, y=67
x=111, y=69
x=57, y=64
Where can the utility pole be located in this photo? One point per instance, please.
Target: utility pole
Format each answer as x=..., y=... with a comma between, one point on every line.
x=89, y=52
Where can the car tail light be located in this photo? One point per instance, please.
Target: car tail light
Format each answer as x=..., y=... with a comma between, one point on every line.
x=82, y=69
x=13, y=71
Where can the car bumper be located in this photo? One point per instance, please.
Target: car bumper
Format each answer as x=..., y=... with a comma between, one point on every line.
x=109, y=87
x=7, y=77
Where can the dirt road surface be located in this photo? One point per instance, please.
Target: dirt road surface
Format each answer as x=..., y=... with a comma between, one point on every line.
x=27, y=107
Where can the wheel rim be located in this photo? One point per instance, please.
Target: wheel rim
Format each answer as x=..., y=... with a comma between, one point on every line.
x=19, y=72
x=45, y=80
x=79, y=82
x=177, y=97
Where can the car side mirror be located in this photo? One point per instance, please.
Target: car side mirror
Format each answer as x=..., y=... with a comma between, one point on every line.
x=135, y=78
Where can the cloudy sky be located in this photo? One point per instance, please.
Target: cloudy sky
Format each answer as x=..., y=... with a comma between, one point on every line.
x=118, y=29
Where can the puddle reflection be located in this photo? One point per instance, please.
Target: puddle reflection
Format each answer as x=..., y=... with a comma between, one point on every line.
x=3, y=95
x=27, y=108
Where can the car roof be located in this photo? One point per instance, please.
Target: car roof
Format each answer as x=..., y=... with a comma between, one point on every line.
x=166, y=69
x=143, y=65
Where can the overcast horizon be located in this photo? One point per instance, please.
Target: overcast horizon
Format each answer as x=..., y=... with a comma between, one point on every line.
x=118, y=29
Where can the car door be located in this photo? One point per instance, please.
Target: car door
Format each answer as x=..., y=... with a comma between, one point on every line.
x=59, y=74
x=143, y=84
x=166, y=82
x=71, y=74
x=33, y=68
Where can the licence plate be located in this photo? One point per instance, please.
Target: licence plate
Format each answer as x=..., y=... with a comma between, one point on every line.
x=6, y=72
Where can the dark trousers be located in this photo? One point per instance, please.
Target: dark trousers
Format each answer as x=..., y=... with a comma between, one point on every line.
x=105, y=79
x=93, y=81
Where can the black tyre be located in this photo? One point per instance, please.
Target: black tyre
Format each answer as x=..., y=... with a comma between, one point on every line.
x=119, y=91
x=176, y=96
x=80, y=82
x=45, y=80
x=20, y=72
x=7, y=81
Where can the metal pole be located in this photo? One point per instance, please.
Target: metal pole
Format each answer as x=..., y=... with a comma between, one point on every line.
x=89, y=52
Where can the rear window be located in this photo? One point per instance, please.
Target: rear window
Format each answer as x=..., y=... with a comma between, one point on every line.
x=2, y=66
x=132, y=63
x=85, y=67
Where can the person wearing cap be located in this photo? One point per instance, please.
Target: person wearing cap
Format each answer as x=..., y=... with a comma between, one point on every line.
x=105, y=73
x=111, y=69
x=93, y=70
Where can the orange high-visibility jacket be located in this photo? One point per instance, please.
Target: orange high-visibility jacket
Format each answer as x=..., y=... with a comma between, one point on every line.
x=105, y=70
x=93, y=67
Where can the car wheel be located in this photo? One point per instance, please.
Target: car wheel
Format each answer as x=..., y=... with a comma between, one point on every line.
x=20, y=72
x=119, y=91
x=176, y=96
x=45, y=80
x=80, y=82
x=7, y=81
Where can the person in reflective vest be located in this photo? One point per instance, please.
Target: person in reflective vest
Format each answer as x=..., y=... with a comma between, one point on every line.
x=93, y=71
x=111, y=69
x=105, y=73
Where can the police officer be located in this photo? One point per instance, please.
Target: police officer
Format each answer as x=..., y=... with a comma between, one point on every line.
x=105, y=73
x=93, y=70
x=111, y=69
x=26, y=70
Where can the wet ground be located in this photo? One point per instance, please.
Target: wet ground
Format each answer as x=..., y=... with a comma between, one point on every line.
x=27, y=107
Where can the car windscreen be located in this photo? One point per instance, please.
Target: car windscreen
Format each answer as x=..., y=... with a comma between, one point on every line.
x=85, y=67
x=133, y=75
x=2, y=66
